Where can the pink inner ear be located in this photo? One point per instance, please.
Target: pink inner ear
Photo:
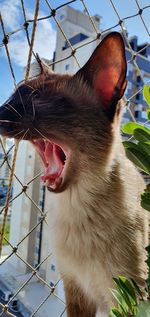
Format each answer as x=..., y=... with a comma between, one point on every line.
x=105, y=83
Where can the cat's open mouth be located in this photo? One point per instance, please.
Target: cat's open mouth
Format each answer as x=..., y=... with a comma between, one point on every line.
x=55, y=158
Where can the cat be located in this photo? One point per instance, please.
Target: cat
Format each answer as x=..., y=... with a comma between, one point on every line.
x=73, y=122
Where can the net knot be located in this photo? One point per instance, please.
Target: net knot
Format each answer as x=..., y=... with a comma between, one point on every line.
x=98, y=35
x=53, y=12
x=73, y=52
x=6, y=39
x=26, y=24
x=140, y=11
x=24, y=189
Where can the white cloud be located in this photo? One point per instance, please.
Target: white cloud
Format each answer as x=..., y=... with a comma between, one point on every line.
x=45, y=38
x=10, y=13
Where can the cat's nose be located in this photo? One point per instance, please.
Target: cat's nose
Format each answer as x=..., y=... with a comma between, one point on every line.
x=8, y=119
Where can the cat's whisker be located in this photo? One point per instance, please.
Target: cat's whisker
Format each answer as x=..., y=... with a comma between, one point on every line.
x=43, y=136
x=11, y=107
x=22, y=138
x=9, y=121
x=14, y=135
x=33, y=107
x=21, y=99
x=18, y=133
x=33, y=89
x=32, y=92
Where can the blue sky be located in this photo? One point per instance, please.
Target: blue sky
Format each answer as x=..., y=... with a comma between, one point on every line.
x=46, y=32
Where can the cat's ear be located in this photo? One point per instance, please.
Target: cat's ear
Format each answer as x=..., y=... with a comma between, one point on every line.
x=38, y=67
x=105, y=71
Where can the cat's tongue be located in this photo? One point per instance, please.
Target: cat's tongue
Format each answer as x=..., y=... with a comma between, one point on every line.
x=53, y=158
x=54, y=163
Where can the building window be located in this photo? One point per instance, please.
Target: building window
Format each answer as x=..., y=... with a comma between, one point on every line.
x=36, y=250
x=74, y=40
x=61, y=17
x=67, y=66
x=138, y=79
x=138, y=96
x=51, y=284
x=136, y=114
x=1, y=156
x=38, y=234
x=53, y=267
x=41, y=203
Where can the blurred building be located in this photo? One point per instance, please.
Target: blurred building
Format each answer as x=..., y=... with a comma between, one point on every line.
x=79, y=31
x=4, y=169
x=24, y=211
x=135, y=81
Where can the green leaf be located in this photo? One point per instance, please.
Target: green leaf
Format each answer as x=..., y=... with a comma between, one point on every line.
x=144, y=146
x=147, y=189
x=144, y=309
x=148, y=114
x=137, y=288
x=128, y=287
x=148, y=263
x=148, y=248
x=115, y=313
x=129, y=127
x=139, y=159
x=123, y=290
x=141, y=135
x=120, y=300
x=129, y=144
x=145, y=200
x=127, y=290
x=146, y=94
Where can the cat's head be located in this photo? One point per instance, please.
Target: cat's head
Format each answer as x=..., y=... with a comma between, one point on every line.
x=70, y=119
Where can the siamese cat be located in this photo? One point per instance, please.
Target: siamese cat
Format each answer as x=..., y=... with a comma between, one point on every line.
x=73, y=122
